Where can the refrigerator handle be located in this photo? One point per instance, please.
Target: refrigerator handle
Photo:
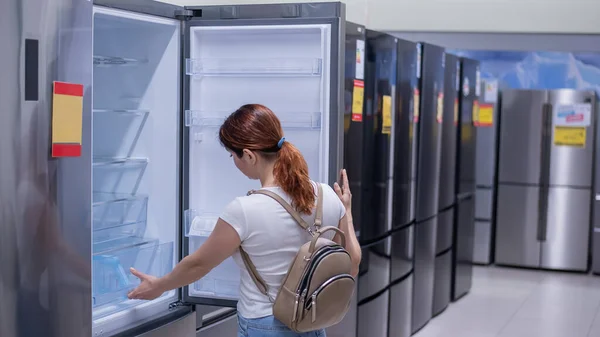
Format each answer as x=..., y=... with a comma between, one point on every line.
x=546, y=150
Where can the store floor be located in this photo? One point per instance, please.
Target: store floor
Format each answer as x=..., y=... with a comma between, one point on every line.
x=506, y=302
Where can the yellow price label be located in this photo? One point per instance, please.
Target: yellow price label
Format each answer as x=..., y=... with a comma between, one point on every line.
x=569, y=136
x=386, y=110
x=358, y=95
x=485, y=117
x=416, y=105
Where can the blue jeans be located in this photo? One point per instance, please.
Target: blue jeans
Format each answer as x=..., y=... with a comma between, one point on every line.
x=270, y=327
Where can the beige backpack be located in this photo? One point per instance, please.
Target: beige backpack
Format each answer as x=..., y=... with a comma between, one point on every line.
x=316, y=292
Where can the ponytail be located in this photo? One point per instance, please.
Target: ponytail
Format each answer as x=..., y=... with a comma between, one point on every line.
x=291, y=174
x=255, y=127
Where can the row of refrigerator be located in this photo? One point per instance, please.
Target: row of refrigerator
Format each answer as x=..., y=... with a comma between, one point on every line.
x=410, y=131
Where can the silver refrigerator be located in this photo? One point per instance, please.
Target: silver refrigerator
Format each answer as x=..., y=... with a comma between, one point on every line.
x=148, y=178
x=547, y=141
x=485, y=175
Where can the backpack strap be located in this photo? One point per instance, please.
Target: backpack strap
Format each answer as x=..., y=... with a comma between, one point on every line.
x=261, y=284
x=285, y=205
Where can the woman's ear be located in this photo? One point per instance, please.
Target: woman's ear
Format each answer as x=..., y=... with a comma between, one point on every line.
x=250, y=156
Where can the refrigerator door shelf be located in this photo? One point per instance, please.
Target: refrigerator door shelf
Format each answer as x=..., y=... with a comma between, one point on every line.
x=220, y=283
x=112, y=279
x=113, y=210
x=109, y=61
x=254, y=67
x=289, y=120
x=199, y=223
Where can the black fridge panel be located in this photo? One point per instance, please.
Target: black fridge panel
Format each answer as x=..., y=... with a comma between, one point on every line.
x=401, y=285
x=402, y=253
x=445, y=231
x=381, y=75
x=373, y=294
x=405, y=135
x=353, y=114
x=369, y=228
x=385, y=72
x=431, y=95
x=462, y=274
x=443, y=282
x=373, y=316
x=400, y=308
x=469, y=107
x=425, y=241
x=447, y=190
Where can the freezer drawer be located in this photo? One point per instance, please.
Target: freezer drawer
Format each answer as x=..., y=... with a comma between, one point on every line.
x=425, y=241
x=483, y=242
x=183, y=327
x=517, y=226
x=224, y=328
x=373, y=316
x=443, y=282
x=402, y=253
x=400, y=308
x=565, y=245
x=596, y=252
x=463, y=248
x=483, y=203
x=445, y=230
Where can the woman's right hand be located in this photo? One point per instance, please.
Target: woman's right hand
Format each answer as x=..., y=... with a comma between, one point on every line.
x=343, y=192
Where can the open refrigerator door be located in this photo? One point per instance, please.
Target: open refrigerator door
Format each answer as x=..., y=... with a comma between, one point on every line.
x=284, y=67
x=135, y=172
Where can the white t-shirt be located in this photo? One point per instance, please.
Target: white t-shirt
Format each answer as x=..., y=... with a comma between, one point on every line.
x=272, y=239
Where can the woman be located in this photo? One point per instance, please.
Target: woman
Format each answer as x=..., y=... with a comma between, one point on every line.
x=254, y=138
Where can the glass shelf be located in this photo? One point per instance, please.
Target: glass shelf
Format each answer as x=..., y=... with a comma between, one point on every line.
x=115, y=210
x=254, y=66
x=112, y=279
x=111, y=244
x=289, y=120
x=121, y=162
x=130, y=112
x=199, y=224
x=101, y=60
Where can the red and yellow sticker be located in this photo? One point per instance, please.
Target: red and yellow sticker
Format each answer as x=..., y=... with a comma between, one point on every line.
x=416, y=105
x=358, y=96
x=67, y=108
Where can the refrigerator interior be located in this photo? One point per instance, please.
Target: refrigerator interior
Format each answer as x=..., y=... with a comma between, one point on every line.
x=287, y=72
x=135, y=147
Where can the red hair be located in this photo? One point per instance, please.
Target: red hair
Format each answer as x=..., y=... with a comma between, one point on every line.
x=255, y=127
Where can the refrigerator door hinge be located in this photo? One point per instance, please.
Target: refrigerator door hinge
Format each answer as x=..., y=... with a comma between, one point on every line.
x=178, y=304
x=184, y=14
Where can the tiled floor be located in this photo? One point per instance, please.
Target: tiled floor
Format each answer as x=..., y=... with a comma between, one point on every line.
x=506, y=302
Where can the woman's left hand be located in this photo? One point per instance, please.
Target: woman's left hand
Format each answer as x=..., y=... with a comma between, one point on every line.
x=149, y=289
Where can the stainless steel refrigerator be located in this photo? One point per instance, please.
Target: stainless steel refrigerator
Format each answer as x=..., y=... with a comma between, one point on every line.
x=545, y=175
x=464, y=215
x=374, y=278
x=403, y=209
x=430, y=63
x=447, y=193
x=485, y=175
x=151, y=179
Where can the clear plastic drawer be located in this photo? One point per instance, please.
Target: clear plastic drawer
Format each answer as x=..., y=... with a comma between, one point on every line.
x=112, y=279
x=118, y=210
